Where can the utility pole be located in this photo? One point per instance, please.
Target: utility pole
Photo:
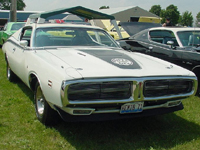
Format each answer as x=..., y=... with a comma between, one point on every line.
x=13, y=11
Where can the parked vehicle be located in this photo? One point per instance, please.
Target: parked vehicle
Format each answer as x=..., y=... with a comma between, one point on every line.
x=85, y=75
x=180, y=46
x=108, y=26
x=9, y=29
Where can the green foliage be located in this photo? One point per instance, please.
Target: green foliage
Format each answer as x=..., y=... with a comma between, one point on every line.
x=155, y=9
x=186, y=19
x=198, y=20
x=5, y=4
x=104, y=7
x=170, y=12
x=162, y=15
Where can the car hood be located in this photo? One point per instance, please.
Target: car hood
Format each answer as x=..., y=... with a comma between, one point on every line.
x=106, y=62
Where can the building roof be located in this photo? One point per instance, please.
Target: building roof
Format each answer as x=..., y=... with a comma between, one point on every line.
x=141, y=12
x=111, y=11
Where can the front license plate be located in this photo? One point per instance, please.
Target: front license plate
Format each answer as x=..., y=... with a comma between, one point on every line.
x=132, y=107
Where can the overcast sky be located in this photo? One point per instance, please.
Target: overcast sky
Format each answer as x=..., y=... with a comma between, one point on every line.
x=43, y=5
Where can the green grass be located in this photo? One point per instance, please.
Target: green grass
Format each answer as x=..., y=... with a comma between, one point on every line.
x=20, y=129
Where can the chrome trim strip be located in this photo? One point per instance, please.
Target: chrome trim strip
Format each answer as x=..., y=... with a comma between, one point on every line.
x=165, y=105
x=137, y=94
x=70, y=110
x=93, y=111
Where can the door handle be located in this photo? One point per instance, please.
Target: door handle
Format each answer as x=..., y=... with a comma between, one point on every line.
x=14, y=49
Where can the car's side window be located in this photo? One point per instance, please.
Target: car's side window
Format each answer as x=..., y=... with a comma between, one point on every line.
x=163, y=36
x=26, y=35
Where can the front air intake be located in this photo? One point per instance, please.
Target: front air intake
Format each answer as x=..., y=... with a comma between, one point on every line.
x=157, y=88
x=113, y=90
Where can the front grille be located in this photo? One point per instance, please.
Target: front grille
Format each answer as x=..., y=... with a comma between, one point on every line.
x=100, y=91
x=156, y=88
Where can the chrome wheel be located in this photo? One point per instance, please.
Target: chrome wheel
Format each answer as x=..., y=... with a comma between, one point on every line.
x=44, y=112
x=8, y=71
x=10, y=74
x=39, y=102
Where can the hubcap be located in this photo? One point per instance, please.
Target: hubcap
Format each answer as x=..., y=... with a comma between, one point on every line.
x=8, y=71
x=40, y=106
x=40, y=102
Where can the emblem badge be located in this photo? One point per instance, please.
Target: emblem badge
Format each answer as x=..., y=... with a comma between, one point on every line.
x=122, y=61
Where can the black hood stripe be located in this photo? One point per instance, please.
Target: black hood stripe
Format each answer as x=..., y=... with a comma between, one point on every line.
x=115, y=58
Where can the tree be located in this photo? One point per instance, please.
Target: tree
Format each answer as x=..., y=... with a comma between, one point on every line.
x=104, y=7
x=162, y=15
x=5, y=4
x=198, y=20
x=186, y=19
x=155, y=9
x=170, y=12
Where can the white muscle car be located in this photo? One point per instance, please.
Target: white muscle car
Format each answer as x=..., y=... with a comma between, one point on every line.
x=81, y=73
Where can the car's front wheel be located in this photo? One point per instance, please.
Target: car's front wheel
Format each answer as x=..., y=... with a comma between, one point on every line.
x=198, y=90
x=44, y=112
x=10, y=74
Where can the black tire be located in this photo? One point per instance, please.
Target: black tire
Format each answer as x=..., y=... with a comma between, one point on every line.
x=44, y=112
x=9, y=73
x=198, y=90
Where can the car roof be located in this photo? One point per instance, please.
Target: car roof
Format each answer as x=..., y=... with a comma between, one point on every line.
x=63, y=25
x=175, y=29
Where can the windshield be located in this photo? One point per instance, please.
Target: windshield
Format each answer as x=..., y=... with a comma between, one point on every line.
x=69, y=36
x=17, y=26
x=189, y=38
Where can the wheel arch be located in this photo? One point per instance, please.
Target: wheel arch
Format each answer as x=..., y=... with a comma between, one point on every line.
x=6, y=58
x=196, y=71
x=33, y=80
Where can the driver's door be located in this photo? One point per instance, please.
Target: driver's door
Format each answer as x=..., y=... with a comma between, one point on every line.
x=158, y=44
x=17, y=56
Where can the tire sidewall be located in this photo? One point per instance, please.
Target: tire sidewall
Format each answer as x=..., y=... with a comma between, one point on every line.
x=49, y=116
x=9, y=73
x=42, y=117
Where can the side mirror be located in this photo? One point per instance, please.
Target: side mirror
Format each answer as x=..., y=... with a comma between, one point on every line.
x=170, y=43
x=23, y=43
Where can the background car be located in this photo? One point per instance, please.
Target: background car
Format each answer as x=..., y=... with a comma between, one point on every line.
x=106, y=25
x=9, y=29
x=180, y=46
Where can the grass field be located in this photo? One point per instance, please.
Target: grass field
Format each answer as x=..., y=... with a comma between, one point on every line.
x=20, y=129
